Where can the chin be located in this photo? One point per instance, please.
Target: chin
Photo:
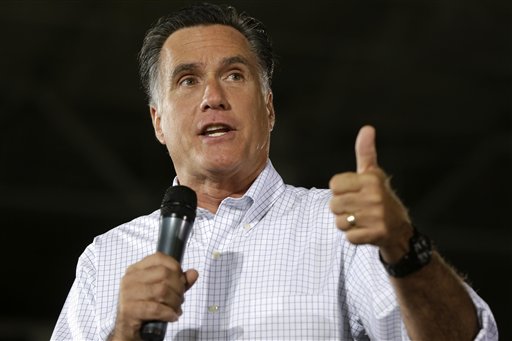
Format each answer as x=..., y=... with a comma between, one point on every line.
x=221, y=165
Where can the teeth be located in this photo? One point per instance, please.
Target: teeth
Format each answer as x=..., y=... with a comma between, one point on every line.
x=215, y=127
x=220, y=133
x=216, y=130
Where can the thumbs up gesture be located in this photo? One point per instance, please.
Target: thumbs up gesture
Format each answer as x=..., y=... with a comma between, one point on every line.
x=365, y=206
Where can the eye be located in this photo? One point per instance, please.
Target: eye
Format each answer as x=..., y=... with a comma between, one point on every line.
x=235, y=76
x=187, y=81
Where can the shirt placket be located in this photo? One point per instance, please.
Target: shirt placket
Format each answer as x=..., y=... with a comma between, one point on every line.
x=221, y=265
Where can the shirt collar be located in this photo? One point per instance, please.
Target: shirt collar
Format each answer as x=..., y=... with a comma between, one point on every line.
x=264, y=191
x=260, y=196
x=267, y=182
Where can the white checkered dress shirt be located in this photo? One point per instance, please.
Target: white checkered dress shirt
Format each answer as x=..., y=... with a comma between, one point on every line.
x=272, y=266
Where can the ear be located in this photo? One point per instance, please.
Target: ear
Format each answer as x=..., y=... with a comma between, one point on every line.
x=156, y=119
x=270, y=110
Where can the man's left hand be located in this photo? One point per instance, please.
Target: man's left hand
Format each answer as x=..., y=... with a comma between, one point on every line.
x=366, y=207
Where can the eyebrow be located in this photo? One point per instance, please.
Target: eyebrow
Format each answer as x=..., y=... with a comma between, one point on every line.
x=234, y=60
x=184, y=68
x=189, y=67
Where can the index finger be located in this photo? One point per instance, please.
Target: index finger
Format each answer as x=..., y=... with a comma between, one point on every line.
x=156, y=259
x=345, y=183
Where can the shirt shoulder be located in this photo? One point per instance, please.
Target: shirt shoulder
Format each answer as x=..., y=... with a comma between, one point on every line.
x=137, y=227
x=128, y=242
x=314, y=200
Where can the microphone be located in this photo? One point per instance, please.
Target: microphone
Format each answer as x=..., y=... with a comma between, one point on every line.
x=177, y=214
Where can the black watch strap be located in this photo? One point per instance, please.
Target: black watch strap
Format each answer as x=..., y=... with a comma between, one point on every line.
x=419, y=255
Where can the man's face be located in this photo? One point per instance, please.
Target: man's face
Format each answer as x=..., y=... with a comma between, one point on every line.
x=212, y=111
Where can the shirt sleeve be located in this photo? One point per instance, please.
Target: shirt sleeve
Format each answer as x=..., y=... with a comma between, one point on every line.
x=78, y=319
x=372, y=298
x=375, y=314
x=488, y=327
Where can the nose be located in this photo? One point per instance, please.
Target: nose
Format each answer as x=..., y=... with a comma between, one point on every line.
x=214, y=96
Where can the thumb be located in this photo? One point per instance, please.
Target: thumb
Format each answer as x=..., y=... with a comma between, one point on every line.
x=366, y=153
x=191, y=276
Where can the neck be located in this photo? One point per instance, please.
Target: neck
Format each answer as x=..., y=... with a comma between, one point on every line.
x=211, y=189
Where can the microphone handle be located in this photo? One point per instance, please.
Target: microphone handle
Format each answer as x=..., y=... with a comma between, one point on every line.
x=174, y=232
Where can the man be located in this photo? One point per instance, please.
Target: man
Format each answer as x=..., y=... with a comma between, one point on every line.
x=265, y=260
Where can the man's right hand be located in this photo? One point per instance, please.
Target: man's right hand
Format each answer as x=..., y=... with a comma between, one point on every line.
x=151, y=289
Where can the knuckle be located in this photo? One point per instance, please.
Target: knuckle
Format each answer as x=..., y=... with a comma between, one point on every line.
x=353, y=238
x=374, y=198
x=160, y=290
x=341, y=222
x=373, y=180
x=335, y=181
x=341, y=179
x=130, y=269
x=153, y=309
x=332, y=182
x=163, y=272
x=334, y=204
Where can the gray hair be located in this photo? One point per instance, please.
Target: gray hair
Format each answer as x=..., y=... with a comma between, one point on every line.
x=196, y=15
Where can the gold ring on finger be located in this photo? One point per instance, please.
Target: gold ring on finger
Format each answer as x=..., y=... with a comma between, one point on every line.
x=351, y=220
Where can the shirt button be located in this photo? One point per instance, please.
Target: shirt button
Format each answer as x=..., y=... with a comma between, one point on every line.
x=247, y=227
x=213, y=309
x=216, y=254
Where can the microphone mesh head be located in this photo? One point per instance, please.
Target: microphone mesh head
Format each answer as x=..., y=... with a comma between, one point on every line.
x=180, y=200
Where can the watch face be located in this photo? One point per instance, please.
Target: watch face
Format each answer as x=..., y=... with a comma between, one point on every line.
x=422, y=249
x=420, y=253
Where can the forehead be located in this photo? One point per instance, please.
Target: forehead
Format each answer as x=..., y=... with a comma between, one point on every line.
x=203, y=44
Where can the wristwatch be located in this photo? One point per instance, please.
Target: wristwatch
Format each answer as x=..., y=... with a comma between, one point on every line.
x=419, y=255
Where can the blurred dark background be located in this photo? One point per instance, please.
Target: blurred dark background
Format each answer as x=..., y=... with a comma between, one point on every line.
x=78, y=155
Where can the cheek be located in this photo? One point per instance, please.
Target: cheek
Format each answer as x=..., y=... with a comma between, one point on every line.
x=179, y=111
x=261, y=132
x=170, y=119
x=262, y=121
x=169, y=131
x=265, y=126
x=166, y=126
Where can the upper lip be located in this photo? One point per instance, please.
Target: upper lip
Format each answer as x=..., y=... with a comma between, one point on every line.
x=205, y=126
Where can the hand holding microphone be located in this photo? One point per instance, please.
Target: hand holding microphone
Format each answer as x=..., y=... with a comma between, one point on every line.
x=178, y=212
x=152, y=289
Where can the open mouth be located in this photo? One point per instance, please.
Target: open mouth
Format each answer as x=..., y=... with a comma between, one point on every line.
x=216, y=130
